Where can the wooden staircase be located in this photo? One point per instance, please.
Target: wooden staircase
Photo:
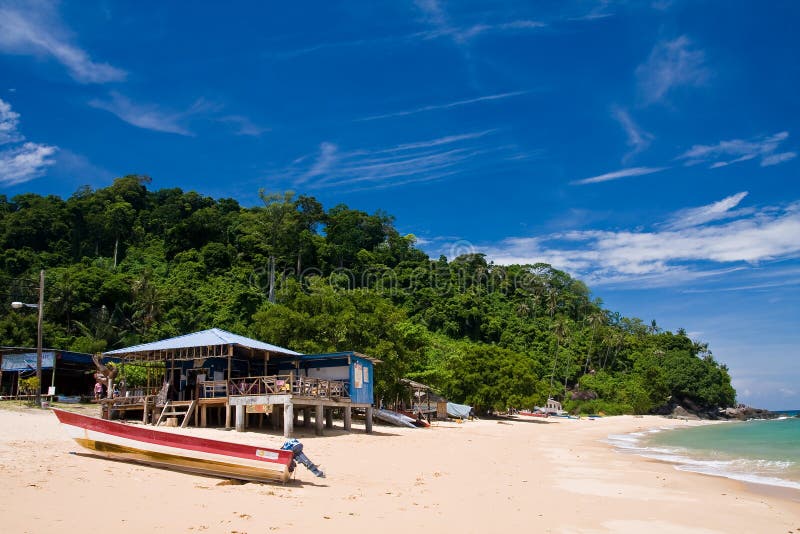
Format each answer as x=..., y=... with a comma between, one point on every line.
x=183, y=409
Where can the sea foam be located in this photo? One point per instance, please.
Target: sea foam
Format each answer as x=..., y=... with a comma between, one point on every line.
x=756, y=471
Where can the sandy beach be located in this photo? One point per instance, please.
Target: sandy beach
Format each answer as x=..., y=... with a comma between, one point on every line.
x=479, y=476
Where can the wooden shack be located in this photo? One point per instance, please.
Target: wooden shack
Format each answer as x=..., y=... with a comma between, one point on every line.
x=215, y=370
x=64, y=372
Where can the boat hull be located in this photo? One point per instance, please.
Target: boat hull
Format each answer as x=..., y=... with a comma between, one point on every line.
x=534, y=414
x=394, y=418
x=179, y=452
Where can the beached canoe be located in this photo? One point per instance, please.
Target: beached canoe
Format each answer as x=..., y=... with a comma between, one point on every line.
x=179, y=452
x=394, y=418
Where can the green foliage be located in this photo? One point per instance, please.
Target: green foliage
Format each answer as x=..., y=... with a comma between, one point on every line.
x=128, y=265
x=29, y=386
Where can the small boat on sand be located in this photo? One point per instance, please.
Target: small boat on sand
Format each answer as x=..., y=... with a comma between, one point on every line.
x=394, y=418
x=180, y=452
x=534, y=413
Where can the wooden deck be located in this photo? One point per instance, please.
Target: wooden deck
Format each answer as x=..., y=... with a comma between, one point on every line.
x=260, y=395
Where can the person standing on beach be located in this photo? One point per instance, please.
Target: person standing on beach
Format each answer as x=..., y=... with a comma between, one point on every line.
x=98, y=390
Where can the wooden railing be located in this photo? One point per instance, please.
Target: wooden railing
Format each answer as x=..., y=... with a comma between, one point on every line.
x=213, y=388
x=284, y=385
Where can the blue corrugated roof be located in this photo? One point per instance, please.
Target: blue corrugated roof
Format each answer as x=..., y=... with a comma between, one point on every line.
x=204, y=338
x=340, y=355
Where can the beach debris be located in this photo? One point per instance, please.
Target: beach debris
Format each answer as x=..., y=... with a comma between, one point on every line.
x=296, y=447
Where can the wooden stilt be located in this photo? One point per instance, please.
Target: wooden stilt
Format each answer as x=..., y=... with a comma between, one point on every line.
x=288, y=419
x=329, y=418
x=368, y=422
x=318, y=419
x=348, y=418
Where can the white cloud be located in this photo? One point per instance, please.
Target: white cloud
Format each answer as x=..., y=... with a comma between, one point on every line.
x=689, y=217
x=671, y=64
x=665, y=257
x=24, y=163
x=616, y=175
x=775, y=159
x=146, y=116
x=447, y=105
x=461, y=35
x=638, y=139
x=243, y=125
x=420, y=161
x=323, y=164
x=35, y=29
x=9, y=120
x=726, y=153
x=436, y=16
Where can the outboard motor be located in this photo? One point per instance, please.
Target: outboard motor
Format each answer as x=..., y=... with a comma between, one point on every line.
x=297, y=450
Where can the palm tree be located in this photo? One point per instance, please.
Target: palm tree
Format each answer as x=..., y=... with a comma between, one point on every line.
x=560, y=330
x=552, y=303
x=595, y=321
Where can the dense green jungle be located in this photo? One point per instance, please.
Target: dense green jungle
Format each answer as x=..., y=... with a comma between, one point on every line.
x=125, y=264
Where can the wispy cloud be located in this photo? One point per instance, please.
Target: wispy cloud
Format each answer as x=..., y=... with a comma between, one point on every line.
x=447, y=105
x=671, y=64
x=463, y=34
x=722, y=154
x=324, y=162
x=9, y=121
x=726, y=153
x=23, y=162
x=420, y=161
x=638, y=139
x=616, y=175
x=243, y=125
x=775, y=159
x=147, y=116
x=715, y=211
x=35, y=29
x=671, y=256
x=598, y=11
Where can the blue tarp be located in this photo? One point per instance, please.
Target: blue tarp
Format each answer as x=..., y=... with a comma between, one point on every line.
x=27, y=362
x=458, y=410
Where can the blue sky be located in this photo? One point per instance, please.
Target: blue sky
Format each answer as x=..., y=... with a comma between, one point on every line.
x=648, y=148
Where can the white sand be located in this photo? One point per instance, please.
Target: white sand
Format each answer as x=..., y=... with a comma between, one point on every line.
x=480, y=476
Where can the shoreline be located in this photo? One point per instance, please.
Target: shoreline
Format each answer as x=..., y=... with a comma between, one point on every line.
x=479, y=476
x=781, y=489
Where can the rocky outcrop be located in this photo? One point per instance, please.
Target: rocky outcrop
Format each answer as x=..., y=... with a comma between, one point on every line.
x=686, y=409
x=679, y=412
x=744, y=413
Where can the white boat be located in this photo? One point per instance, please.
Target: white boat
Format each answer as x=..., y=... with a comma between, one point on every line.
x=180, y=452
x=552, y=407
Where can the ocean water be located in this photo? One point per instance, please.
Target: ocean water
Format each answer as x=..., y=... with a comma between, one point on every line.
x=758, y=451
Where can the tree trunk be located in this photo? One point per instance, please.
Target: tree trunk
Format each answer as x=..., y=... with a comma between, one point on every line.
x=553, y=372
x=272, y=279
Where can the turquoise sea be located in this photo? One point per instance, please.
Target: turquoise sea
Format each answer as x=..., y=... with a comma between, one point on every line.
x=758, y=451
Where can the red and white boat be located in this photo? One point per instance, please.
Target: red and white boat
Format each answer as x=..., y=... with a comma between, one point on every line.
x=179, y=452
x=533, y=414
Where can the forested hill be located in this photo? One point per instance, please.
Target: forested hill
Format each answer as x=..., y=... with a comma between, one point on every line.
x=125, y=265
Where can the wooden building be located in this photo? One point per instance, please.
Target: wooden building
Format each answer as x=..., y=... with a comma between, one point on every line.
x=217, y=371
x=67, y=373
